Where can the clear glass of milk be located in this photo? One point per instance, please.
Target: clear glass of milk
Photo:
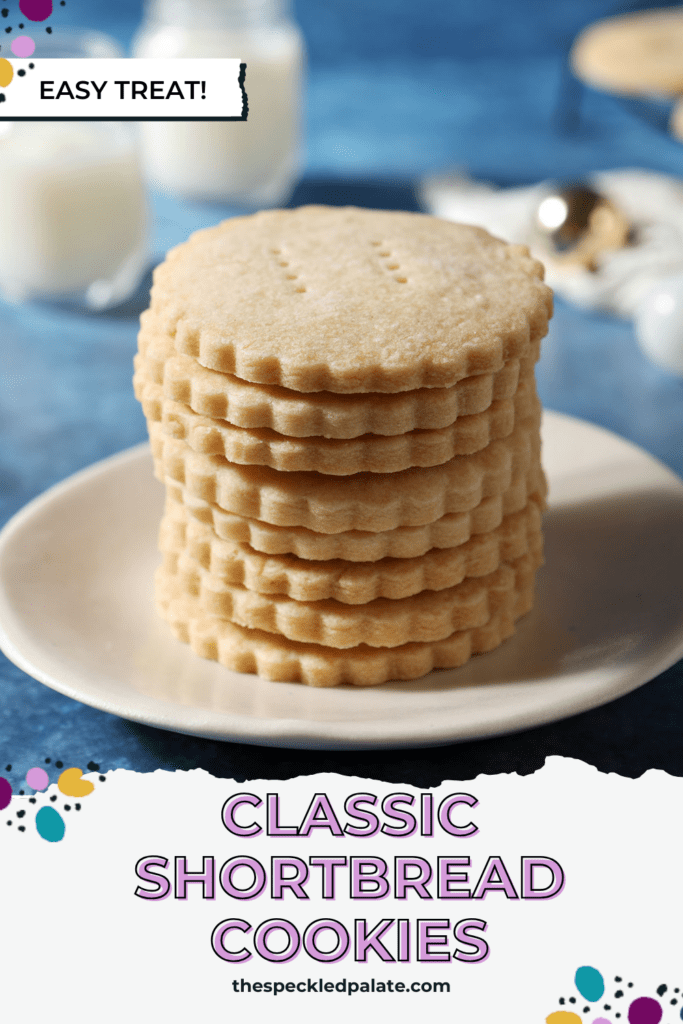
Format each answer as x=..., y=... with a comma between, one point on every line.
x=73, y=226
x=254, y=163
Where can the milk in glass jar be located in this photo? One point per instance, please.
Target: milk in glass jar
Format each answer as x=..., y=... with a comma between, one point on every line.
x=73, y=208
x=253, y=163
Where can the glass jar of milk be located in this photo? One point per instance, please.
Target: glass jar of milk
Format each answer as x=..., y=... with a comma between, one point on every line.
x=253, y=163
x=73, y=220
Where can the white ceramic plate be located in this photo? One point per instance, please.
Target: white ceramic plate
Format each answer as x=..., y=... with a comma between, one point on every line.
x=76, y=612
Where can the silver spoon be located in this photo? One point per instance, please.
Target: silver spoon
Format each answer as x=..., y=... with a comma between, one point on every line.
x=564, y=215
x=577, y=224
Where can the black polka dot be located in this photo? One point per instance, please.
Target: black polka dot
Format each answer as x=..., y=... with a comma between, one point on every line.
x=561, y=1000
x=607, y=1006
x=571, y=999
x=20, y=814
x=102, y=778
x=77, y=806
x=2, y=97
x=661, y=990
x=22, y=828
x=21, y=73
x=21, y=26
x=53, y=798
x=21, y=792
x=67, y=807
x=47, y=759
x=8, y=767
x=617, y=979
x=618, y=994
x=59, y=764
x=5, y=12
x=31, y=799
x=9, y=822
x=93, y=766
x=48, y=30
x=8, y=29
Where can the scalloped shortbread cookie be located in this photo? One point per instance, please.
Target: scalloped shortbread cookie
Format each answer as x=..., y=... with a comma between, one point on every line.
x=348, y=300
x=275, y=657
x=322, y=414
x=204, y=562
x=430, y=615
x=365, y=501
x=367, y=454
x=358, y=545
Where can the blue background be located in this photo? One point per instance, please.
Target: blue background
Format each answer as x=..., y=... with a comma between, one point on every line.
x=395, y=90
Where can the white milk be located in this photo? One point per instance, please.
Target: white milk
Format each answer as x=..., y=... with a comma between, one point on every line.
x=252, y=163
x=73, y=223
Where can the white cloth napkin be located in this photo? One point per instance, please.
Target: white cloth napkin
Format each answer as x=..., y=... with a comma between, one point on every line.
x=652, y=203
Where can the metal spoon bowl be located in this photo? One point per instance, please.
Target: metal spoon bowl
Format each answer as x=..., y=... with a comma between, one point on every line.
x=577, y=225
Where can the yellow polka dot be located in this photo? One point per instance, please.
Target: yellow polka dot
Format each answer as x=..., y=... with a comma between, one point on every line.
x=563, y=1017
x=71, y=784
x=6, y=72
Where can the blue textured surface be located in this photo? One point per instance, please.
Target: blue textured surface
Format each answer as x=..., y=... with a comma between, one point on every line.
x=395, y=89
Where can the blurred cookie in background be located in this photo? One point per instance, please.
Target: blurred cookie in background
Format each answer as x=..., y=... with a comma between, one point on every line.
x=633, y=54
x=676, y=120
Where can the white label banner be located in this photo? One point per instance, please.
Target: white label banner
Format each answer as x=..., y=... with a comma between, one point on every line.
x=501, y=900
x=125, y=89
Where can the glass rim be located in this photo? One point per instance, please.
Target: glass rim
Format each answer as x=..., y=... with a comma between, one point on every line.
x=74, y=41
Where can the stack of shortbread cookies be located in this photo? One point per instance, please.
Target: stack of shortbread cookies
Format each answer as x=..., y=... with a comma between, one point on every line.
x=342, y=406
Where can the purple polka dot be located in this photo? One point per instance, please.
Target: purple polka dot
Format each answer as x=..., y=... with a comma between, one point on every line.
x=5, y=793
x=645, y=1011
x=601, y=1020
x=23, y=46
x=37, y=778
x=36, y=10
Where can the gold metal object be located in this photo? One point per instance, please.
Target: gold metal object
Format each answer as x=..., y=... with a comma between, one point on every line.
x=578, y=225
